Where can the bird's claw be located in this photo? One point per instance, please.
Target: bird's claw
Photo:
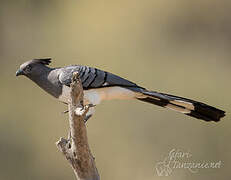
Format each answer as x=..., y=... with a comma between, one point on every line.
x=90, y=105
x=64, y=112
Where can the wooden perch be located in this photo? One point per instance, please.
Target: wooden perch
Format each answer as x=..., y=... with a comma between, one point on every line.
x=76, y=148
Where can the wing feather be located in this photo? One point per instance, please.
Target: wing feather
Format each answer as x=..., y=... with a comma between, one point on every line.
x=93, y=78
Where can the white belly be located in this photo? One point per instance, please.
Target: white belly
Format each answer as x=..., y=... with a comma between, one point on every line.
x=95, y=96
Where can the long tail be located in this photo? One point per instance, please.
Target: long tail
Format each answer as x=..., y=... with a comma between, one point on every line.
x=186, y=106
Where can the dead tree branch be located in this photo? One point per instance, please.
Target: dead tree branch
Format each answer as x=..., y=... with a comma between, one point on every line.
x=76, y=148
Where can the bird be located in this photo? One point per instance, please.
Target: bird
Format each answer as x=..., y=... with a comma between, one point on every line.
x=99, y=85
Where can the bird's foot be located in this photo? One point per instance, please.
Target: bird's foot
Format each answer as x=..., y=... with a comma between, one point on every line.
x=90, y=105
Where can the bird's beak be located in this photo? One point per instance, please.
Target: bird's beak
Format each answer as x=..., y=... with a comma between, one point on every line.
x=19, y=72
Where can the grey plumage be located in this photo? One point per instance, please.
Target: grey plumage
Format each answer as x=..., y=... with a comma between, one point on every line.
x=44, y=76
x=101, y=85
x=92, y=77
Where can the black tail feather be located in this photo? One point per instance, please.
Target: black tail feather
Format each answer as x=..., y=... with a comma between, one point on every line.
x=187, y=106
x=206, y=112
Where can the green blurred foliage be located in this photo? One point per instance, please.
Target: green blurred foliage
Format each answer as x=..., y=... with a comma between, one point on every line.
x=180, y=47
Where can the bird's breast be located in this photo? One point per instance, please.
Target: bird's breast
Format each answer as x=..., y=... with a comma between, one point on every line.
x=95, y=96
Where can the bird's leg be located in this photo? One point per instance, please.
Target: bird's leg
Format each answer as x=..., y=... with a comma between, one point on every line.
x=91, y=105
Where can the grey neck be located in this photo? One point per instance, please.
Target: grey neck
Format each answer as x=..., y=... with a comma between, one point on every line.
x=47, y=79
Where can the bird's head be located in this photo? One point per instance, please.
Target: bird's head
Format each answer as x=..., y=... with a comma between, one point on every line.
x=32, y=67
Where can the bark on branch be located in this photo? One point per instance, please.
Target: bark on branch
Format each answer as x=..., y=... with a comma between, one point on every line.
x=76, y=148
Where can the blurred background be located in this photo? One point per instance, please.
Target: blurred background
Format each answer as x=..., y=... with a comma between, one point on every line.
x=179, y=47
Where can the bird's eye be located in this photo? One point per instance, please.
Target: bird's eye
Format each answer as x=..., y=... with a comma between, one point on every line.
x=28, y=69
